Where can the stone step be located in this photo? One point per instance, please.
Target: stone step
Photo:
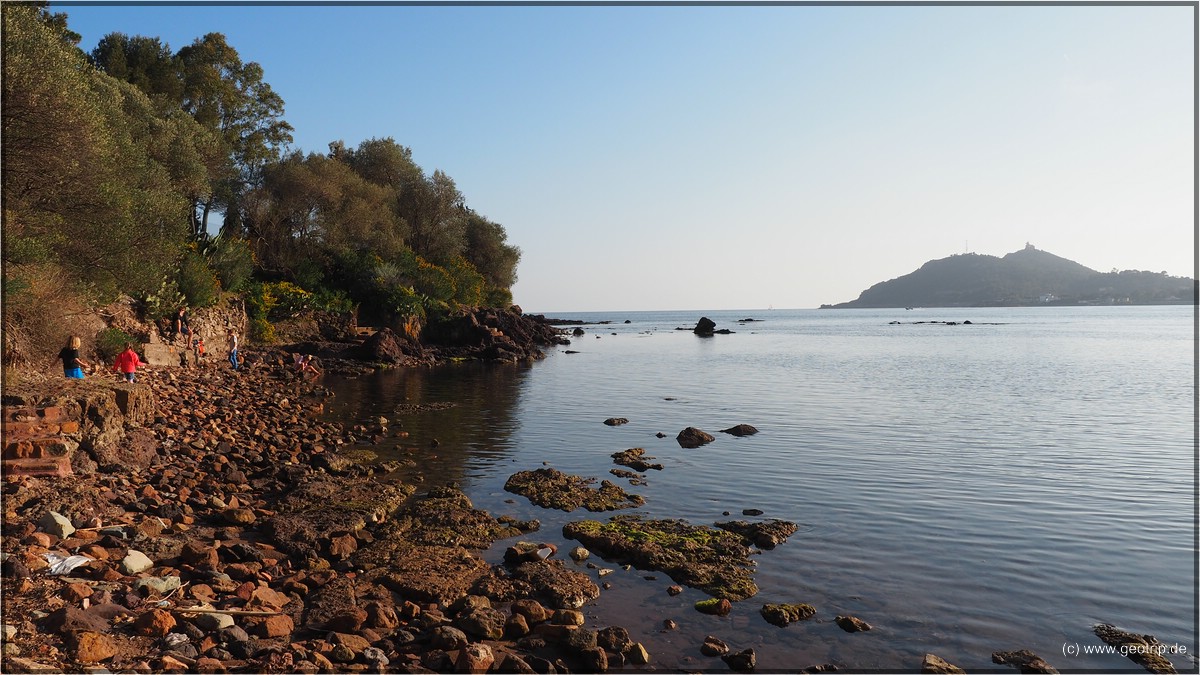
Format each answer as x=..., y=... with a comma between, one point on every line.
x=38, y=448
x=47, y=466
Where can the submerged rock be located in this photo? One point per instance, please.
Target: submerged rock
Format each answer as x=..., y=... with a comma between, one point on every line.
x=635, y=458
x=1023, y=660
x=783, y=614
x=852, y=624
x=551, y=488
x=1144, y=650
x=712, y=560
x=740, y=430
x=766, y=535
x=616, y=421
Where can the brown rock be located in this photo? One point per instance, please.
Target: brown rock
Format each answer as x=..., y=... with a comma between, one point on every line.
x=239, y=516
x=692, y=437
x=852, y=624
x=200, y=555
x=209, y=665
x=382, y=616
x=349, y=620
x=73, y=619
x=714, y=646
x=475, y=658
x=155, y=623
x=90, y=647
x=266, y=597
x=1023, y=660
x=342, y=547
x=936, y=664
x=77, y=592
x=276, y=626
x=516, y=626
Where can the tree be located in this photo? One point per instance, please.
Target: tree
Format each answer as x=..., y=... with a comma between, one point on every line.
x=232, y=100
x=85, y=183
x=487, y=250
x=144, y=62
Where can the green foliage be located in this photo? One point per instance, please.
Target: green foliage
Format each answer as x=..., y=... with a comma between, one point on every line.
x=232, y=260
x=332, y=301
x=162, y=302
x=114, y=160
x=197, y=281
x=261, y=331
x=288, y=299
x=259, y=301
x=111, y=341
x=83, y=179
x=405, y=301
x=498, y=297
x=468, y=282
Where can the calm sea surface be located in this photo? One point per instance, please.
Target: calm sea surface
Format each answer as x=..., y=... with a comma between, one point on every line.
x=965, y=489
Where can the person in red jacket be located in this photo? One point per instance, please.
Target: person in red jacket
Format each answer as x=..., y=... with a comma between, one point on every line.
x=127, y=363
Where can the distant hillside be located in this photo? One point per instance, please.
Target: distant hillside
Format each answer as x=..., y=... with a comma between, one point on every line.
x=1022, y=278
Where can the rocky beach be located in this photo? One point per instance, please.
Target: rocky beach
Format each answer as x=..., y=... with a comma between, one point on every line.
x=206, y=520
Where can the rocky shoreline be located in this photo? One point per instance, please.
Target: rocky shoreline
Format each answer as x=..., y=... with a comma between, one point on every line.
x=235, y=532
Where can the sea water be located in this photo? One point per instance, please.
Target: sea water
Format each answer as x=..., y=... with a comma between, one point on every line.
x=970, y=488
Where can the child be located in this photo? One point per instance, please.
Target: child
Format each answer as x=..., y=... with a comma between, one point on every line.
x=306, y=366
x=232, y=340
x=73, y=365
x=127, y=363
x=198, y=349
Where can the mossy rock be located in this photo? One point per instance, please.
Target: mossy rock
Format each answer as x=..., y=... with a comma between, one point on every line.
x=766, y=535
x=445, y=516
x=712, y=560
x=553, y=489
x=783, y=614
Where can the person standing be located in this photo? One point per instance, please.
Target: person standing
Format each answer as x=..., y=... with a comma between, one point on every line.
x=73, y=365
x=233, y=348
x=127, y=363
x=182, y=328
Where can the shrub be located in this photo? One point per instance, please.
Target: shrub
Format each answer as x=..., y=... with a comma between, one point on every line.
x=499, y=297
x=161, y=304
x=111, y=341
x=232, y=261
x=197, y=281
x=261, y=331
x=289, y=299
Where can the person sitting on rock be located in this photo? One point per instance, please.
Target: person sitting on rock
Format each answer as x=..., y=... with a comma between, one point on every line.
x=73, y=365
x=306, y=366
x=127, y=362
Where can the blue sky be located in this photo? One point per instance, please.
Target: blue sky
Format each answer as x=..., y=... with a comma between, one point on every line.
x=734, y=157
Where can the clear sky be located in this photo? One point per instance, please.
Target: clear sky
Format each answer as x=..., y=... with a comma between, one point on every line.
x=738, y=157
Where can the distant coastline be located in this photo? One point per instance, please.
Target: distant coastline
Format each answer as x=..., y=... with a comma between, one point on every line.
x=1025, y=278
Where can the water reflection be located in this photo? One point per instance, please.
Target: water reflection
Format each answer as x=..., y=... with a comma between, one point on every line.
x=474, y=429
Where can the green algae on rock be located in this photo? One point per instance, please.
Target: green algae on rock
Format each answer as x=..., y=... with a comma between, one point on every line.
x=553, y=489
x=783, y=614
x=766, y=535
x=635, y=458
x=712, y=560
x=445, y=516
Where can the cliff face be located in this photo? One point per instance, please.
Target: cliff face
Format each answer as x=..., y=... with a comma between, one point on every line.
x=1021, y=278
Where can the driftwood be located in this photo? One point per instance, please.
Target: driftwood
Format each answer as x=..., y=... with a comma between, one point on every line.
x=233, y=612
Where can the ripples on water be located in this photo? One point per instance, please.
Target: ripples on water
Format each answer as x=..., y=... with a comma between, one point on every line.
x=965, y=489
